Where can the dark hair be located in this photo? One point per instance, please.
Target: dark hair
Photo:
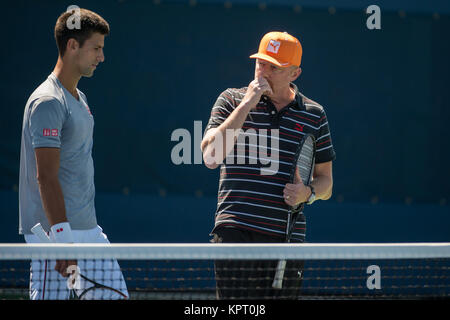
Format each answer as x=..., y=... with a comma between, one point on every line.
x=88, y=23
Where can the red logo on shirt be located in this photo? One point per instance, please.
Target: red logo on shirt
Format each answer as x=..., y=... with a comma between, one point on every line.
x=60, y=230
x=50, y=132
x=299, y=127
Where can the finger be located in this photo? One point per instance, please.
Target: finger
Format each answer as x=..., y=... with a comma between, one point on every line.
x=266, y=88
x=268, y=85
x=73, y=263
x=289, y=202
x=261, y=80
x=294, y=188
x=290, y=186
x=263, y=85
x=289, y=196
x=59, y=267
x=297, y=178
x=258, y=86
x=268, y=92
x=63, y=270
x=255, y=82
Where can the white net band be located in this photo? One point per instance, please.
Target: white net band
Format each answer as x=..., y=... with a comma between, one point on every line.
x=226, y=271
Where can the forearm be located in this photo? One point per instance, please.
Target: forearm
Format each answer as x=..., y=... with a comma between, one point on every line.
x=323, y=187
x=52, y=200
x=220, y=141
x=218, y=144
x=53, y=203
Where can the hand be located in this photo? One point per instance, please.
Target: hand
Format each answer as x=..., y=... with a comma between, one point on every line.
x=62, y=265
x=256, y=89
x=296, y=193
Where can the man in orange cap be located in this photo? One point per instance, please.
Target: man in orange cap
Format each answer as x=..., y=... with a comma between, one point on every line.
x=252, y=204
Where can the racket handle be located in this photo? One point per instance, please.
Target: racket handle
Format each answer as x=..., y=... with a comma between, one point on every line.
x=40, y=233
x=279, y=274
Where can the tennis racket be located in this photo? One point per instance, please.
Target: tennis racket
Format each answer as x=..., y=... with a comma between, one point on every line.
x=95, y=286
x=73, y=295
x=304, y=159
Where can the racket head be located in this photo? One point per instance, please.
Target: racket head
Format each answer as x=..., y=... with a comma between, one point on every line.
x=93, y=290
x=304, y=159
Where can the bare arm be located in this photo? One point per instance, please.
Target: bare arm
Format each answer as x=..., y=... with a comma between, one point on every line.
x=210, y=144
x=323, y=180
x=214, y=146
x=47, y=165
x=297, y=192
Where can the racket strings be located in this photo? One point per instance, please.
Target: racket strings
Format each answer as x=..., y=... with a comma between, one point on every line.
x=305, y=160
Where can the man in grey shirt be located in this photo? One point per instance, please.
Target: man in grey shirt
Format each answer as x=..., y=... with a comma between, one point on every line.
x=53, y=118
x=56, y=187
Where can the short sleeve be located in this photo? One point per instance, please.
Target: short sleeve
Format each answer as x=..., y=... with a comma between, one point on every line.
x=46, y=121
x=324, y=145
x=223, y=107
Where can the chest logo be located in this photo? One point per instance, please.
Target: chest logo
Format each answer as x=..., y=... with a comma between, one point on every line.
x=299, y=127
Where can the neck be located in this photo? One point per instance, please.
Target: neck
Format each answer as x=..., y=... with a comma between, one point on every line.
x=67, y=75
x=282, y=96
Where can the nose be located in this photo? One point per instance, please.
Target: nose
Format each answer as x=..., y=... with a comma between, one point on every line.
x=101, y=57
x=259, y=71
x=264, y=69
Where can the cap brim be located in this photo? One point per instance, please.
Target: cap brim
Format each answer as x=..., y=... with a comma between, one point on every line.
x=270, y=59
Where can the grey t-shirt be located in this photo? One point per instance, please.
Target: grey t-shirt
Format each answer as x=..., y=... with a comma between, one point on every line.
x=54, y=118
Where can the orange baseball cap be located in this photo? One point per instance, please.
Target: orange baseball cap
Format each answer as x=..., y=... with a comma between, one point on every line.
x=280, y=48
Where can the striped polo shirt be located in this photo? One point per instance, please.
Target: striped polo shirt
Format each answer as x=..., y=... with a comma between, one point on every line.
x=248, y=197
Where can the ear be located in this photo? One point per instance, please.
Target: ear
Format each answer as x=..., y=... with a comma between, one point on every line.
x=72, y=45
x=296, y=73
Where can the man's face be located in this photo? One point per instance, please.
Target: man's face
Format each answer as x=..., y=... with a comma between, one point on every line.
x=90, y=54
x=276, y=76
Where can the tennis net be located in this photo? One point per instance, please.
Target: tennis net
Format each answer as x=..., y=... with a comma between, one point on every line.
x=228, y=271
